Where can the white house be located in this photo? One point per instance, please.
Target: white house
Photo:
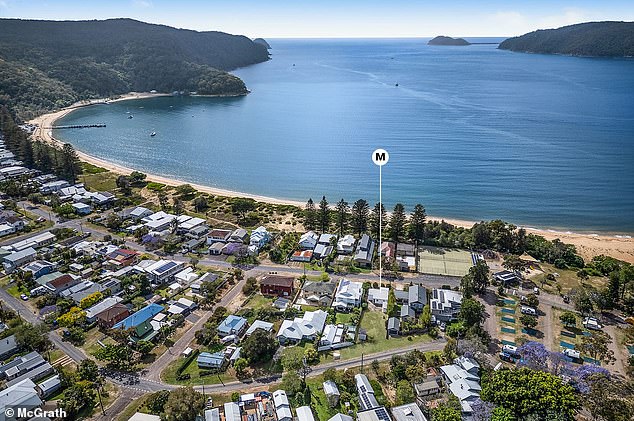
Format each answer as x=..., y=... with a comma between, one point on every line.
x=379, y=296
x=445, y=304
x=345, y=245
x=259, y=237
x=308, y=240
x=282, y=407
x=305, y=328
x=348, y=295
x=463, y=380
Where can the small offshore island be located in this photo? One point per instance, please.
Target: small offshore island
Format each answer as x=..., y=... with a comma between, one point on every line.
x=449, y=41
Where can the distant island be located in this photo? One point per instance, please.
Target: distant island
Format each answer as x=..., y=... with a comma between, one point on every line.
x=46, y=65
x=262, y=41
x=596, y=39
x=443, y=40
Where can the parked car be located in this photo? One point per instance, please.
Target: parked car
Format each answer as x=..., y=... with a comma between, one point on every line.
x=24, y=297
x=536, y=291
x=443, y=326
x=507, y=357
x=592, y=323
x=574, y=354
x=566, y=299
x=528, y=310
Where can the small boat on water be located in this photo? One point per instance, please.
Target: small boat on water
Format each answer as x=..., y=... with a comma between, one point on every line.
x=130, y=116
x=152, y=134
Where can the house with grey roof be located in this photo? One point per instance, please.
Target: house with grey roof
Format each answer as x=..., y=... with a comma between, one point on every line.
x=365, y=251
x=417, y=297
x=8, y=347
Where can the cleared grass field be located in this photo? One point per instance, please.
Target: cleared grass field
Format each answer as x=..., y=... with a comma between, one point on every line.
x=442, y=261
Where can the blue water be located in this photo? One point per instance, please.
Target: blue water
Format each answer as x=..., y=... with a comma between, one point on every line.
x=473, y=132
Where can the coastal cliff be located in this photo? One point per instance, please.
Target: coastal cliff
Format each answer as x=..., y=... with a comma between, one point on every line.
x=449, y=41
x=596, y=39
x=46, y=65
x=262, y=41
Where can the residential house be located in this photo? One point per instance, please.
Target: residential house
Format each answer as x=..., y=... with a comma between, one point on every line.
x=53, y=186
x=39, y=268
x=113, y=284
x=332, y=335
x=279, y=285
x=211, y=361
x=82, y=208
x=49, y=386
x=445, y=304
x=319, y=293
x=305, y=328
x=463, y=380
x=8, y=347
x=367, y=400
x=20, y=395
x=56, y=282
x=417, y=297
x=216, y=248
x=407, y=314
x=218, y=236
x=232, y=411
x=36, y=241
x=18, y=258
x=327, y=239
x=403, y=250
x=408, y=412
x=232, y=325
x=507, y=277
x=259, y=324
x=139, y=323
x=163, y=271
x=388, y=249
x=141, y=416
x=322, y=251
x=259, y=237
x=365, y=251
x=240, y=235
x=282, y=407
x=393, y=326
x=121, y=258
x=429, y=387
x=212, y=414
x=340, y=417
x=138, y=213
x=348, y=295
x=332, y=393
x=304, y=413
x=92, y=312
x=192, y=225
x=346, y=244
x=183, y=306
x=302, y=256
x=111, y=316
x=308, y=240
x=379, y=297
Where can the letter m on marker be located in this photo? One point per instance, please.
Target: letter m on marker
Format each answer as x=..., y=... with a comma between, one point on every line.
x=379, y=156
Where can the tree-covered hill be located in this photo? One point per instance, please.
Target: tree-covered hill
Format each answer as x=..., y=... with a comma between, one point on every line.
x=599, y=39
x=48, y=64
x=449, y=41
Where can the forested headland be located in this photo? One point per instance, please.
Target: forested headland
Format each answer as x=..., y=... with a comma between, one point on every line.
x=46, y=65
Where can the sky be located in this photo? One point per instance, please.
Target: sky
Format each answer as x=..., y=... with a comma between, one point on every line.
x=336, y=19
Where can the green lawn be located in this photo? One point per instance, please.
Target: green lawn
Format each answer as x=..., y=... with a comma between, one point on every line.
x=566, y=280
x=258, y=301
x=169, y=374
x=101, y=181
x=374, y=324
x=134, y=407
x=343, y=318
x=16, y=291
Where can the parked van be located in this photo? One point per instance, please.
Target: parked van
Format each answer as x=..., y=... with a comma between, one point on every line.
x=529, y=310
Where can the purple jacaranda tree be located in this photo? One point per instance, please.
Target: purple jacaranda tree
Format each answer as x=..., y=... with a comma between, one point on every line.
x=534, y=355
x=482, y=410
x=581, y=377
x=558, y=363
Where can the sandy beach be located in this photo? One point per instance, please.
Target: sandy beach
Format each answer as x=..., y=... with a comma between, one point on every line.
x=588, y=245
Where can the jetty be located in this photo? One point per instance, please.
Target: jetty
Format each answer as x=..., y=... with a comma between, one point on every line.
x=78, y=126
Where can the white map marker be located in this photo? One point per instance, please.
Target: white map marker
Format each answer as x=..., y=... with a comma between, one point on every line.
x=380, y=157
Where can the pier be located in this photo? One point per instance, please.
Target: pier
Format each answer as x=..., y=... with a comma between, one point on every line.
x=79, y=126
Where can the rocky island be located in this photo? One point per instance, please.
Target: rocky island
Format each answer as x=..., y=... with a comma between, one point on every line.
x=444, y=40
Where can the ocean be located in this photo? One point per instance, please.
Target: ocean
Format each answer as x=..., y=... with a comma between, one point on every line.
x=473, y=132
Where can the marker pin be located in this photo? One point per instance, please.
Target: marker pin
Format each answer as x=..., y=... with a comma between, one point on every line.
x=380, y=157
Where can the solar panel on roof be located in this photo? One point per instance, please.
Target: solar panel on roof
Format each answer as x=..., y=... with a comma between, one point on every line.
x=381, y=414
x=167, y=266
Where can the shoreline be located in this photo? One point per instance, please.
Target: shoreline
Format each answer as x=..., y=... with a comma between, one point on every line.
x=620, y=246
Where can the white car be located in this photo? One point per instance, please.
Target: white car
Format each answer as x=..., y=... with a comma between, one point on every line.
x=592, y=323
x=528, y=310
x=571, y=353
x=24, y=297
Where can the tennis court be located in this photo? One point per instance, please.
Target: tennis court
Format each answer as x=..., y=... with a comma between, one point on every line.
x=447, y=262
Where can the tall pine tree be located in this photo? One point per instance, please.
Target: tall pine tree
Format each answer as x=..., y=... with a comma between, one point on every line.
x=397, y=224
x=342, y=209
x=310, y=215
x=324, y=215
x=417, y=224
x=360, y=215
x=379, y=210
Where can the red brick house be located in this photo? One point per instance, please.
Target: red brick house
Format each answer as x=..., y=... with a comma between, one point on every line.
x=110, y=317
x=281, y=286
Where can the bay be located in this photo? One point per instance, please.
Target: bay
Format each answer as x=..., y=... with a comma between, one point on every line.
x=473, y=133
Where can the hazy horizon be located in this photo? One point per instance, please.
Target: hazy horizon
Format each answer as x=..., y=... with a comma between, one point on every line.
x=335, y=19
